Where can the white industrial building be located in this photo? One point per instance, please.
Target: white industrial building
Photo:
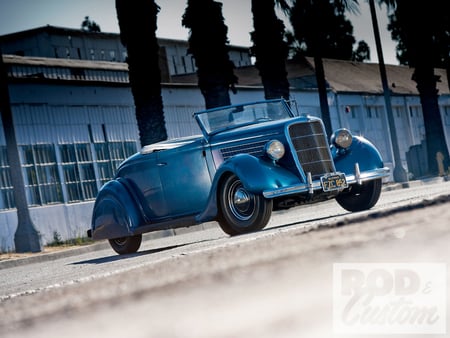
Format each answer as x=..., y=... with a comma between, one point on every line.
x=74, y=115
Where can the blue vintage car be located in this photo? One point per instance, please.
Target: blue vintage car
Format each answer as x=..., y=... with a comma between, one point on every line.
x=251, y=159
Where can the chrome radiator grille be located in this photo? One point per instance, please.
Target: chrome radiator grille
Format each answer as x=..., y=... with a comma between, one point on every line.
x=254, y=148
x=311, y=147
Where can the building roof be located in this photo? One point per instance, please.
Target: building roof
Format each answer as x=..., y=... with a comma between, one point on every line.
x=341, y=76
x=79, y=32
x=349, y=76
x=69, y=63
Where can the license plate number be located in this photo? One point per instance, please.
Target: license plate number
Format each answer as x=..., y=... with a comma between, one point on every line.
x=333, y=182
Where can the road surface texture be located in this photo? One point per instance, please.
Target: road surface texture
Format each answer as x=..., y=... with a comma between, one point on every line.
x=274, y=283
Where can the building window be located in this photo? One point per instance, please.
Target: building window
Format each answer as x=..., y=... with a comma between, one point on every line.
x=124, y=56
x=447, y=115
x=42, y=182
x=105, y=168
x=174, y=64
x=373, y=112
x=6, y=188
x=102, y=55
x=112, y=55
x=78, y=169
x=44, y=164
x=414, y=111
x=92, y=53
x=447, y=110
x=184, y=64
x=110, y=155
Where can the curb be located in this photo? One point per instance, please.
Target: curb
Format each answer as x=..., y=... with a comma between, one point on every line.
x=414, y=183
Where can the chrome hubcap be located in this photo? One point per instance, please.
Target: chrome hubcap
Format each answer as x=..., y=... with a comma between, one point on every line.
x=241, y=202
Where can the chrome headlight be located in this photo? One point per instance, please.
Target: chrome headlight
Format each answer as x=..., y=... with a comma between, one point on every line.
x=342, y=138
x=274, y=149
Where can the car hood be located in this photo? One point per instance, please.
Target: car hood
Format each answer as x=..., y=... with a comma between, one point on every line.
x=264, y=128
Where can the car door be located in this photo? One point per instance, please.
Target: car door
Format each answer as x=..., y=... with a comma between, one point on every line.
x=185, y=181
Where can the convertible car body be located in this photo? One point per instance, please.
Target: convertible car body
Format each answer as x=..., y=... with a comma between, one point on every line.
x=251, y=159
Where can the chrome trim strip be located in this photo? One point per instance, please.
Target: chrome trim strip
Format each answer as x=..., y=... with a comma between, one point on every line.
x=316, y=185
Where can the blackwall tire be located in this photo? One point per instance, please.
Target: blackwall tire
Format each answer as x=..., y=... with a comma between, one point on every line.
x=360, y=197
x=241, y=211
x=126, y=245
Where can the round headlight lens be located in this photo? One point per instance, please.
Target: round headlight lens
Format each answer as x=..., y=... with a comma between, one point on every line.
x=275, y=149
x=342, y=138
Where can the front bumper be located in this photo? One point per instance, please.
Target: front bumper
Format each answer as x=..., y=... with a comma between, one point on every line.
x=311, y=186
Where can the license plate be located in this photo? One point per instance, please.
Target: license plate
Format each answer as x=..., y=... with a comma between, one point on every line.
x=333, y=182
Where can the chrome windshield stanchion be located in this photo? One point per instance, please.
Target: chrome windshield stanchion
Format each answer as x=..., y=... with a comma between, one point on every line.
x=310, y=183
x=357, y=174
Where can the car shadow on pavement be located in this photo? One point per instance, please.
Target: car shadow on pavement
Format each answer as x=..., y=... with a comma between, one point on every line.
x=318, y=219
x=117, y=257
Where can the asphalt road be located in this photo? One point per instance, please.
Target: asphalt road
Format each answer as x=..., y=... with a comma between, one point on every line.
x=205, y=284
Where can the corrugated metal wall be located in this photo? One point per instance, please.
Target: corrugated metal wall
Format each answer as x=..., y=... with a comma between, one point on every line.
x=60, y=124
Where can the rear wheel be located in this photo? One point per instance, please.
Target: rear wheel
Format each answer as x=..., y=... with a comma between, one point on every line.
x=360, y=197
x=241, y=211
x=126, y=245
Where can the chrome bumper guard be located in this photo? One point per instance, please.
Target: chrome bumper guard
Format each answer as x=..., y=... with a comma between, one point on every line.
x=356, y=178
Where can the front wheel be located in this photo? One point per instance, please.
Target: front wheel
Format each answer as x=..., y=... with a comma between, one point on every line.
x=126, y=245
x=241, y=211
x=360, y=197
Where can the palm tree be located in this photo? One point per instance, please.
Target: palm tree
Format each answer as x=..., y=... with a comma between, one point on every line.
x=138, y=24
x=315, y=23
x=89, y=25
x=270, y=48
x=423, y=32
x=26, y=238
x=208, y=43
x=362, y=52
x=399, y=174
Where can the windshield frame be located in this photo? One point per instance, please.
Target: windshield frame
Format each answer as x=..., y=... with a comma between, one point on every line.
x=216, y=120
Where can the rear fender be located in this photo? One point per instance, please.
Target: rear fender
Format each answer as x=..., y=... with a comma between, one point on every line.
x=115, y=214
x=361, y=151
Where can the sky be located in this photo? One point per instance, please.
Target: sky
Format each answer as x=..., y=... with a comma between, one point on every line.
x=18, y=15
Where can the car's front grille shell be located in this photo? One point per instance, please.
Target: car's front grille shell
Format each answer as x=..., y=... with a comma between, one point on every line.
x=310, y=151
x=311, y=147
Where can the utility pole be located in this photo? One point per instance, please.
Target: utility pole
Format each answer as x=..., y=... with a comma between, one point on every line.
x=400, y=174
x=26, y=238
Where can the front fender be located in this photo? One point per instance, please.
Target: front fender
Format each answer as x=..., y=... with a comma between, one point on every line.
x=114, y=213
x=256, y=174
x=361, y=151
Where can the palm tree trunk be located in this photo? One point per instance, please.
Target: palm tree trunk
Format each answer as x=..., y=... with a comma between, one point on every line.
x=323, y=95
x=208, y=45
x=420, y=44
x=137, y=22
x=270, y=49
x=434, y=130
x=26, y=238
